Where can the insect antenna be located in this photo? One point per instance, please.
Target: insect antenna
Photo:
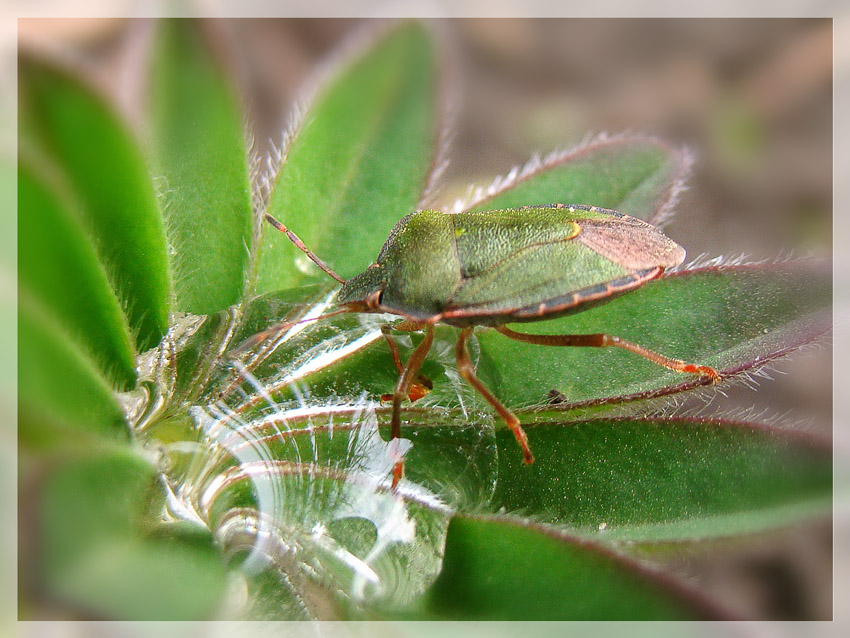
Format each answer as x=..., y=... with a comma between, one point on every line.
x=300, y=245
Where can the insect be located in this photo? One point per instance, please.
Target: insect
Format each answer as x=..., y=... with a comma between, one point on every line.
x=496, y=267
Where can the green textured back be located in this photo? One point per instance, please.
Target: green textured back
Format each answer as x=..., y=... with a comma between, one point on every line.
x=524, y=257
x=494, y=263
x=486, y=239
x=535, y=275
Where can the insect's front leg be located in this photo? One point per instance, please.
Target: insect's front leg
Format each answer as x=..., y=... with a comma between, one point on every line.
x=408, y=373
x=386, y=330
x=422, y=385
x=269, y=335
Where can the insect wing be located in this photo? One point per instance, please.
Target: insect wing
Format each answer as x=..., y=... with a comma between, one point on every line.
x=598, y=253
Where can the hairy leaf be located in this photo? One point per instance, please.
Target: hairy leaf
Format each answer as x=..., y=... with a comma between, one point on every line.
x=61, y=391
x=498, y=569
x=661, y=480
x=200, y=157
x=637, y=176
x=359, y=161
x=732, y=318
x=61, y=268
x=105, y=168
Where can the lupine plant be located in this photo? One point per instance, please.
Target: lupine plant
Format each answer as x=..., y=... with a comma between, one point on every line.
x=175, y=466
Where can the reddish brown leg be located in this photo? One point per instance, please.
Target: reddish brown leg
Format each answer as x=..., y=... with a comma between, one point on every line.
x=467, y=371
x=422, y=385
x=603, y=341
x=279, y=328
x=408, y=373
x=385, y=330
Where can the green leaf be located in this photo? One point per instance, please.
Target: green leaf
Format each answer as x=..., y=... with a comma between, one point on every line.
x=103, y=555
x=199, y=150
x=654, y=480
x=500, y=569
x=60, y=389
x=634, y=175
x=59, y=265
x=359, y=162
x=731, y=318
x=105, y=168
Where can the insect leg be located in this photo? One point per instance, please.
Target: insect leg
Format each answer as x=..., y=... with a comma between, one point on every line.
x=279, y=327
x=467, y=371
x=386, y=330
x=605, y=340
x=401, y=389
x=422, y=385
x=258, y=357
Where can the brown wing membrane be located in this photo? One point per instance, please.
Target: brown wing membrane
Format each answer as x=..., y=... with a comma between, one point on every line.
x=630, y=242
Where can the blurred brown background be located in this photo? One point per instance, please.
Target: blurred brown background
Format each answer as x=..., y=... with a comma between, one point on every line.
x=751, y=97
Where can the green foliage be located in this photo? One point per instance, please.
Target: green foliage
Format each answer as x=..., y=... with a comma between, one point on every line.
x=358, y=158
x=59, y=386
x=657, y=480
x=554, y=577
x=77, y=130
x=160, y=473
x=199, y=154
x=625, y=174
x=103, y=553
x=60, y=268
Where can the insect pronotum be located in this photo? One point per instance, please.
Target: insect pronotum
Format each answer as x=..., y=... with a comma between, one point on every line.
x=496, y=267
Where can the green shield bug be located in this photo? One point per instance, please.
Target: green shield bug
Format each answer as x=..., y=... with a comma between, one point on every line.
x=496, y=267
